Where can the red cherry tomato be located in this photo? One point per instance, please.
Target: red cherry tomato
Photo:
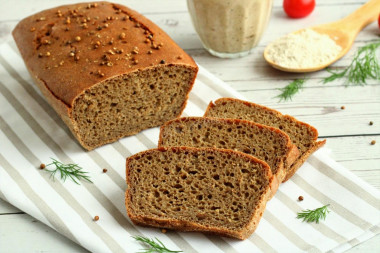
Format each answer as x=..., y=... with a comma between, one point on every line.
x=298, y=8
x=378, y=21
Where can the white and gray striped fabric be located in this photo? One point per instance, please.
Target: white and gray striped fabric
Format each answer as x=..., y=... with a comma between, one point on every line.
x=32, y=133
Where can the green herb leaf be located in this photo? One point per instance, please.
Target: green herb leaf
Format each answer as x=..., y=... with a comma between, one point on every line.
x=363, y=67
x=72, y=171
x=153, y=245
x=314, y=215
x=292, y=88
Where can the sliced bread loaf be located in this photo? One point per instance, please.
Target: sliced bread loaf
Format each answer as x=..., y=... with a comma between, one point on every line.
x=265, y=143
x=211, y=190
x=302, y=135
x=108, y=71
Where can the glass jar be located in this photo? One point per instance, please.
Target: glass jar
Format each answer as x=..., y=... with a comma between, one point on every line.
x=230, y=28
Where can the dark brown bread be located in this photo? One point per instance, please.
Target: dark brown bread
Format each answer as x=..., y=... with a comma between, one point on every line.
x=265, y=143
x=108, y=71
x=302, y=135
x=198, y=189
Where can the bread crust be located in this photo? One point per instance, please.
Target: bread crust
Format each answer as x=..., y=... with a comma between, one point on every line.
x=294, y=162
x=292, y=152
x=182, y=225
x=62, y=79
x=298, y=163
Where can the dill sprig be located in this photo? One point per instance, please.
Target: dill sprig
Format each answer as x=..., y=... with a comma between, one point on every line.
x=364, y=66
x=72, y=171
x=289, y=90
x=153, y=246
x=314, y=215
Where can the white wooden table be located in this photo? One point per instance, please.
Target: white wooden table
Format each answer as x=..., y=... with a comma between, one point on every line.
x=347, y=131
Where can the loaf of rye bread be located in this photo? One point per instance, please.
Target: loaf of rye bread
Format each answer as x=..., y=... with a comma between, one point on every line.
x=211, y=190
x=265, y=143
x=107, y=71
x=302, y=135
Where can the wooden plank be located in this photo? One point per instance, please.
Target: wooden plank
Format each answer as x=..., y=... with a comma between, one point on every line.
x=370, y=176
x=23, y=233
x=357, y=148
x=178, y=25
x=320, y=107
x=358, y=155
x=20, y=9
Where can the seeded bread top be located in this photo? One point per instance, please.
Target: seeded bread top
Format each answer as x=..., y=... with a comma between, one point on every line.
x=72, y=47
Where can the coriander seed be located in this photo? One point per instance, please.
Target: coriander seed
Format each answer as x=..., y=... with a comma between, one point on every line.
x=373, y=142
x=96, y=218
x=42, y=166
x=371, y=123
x=105, y=170
x=300, y=198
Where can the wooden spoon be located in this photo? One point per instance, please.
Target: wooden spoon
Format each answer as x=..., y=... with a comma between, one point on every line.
x=343, y=32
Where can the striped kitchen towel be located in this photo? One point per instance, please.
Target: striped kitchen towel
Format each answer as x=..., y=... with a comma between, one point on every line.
x=31, y=133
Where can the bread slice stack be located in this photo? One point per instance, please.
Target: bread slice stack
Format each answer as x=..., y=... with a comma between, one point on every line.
x=302, y=135
x=216, y=173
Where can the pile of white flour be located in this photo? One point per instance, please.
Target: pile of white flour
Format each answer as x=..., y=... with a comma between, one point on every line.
x=306, y=49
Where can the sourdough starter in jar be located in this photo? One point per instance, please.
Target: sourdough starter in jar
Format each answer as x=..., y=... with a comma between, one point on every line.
x=230, y=28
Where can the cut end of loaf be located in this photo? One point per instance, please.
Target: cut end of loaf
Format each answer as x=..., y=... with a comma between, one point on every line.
x=127, y=104
x=210, y=190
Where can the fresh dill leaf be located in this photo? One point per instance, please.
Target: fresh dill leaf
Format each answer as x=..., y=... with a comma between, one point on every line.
x=289, y=90
x=153, y=246
x=314, y=215
x=364, y=66
x=72, y=171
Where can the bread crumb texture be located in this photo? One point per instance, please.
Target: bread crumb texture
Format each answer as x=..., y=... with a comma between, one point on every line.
x=127, y=104
x=196, y=189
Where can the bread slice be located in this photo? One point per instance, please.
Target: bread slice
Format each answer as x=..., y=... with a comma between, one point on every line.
x=302, y=135
x=108, y=71
x=211, y=190
x=265, y=143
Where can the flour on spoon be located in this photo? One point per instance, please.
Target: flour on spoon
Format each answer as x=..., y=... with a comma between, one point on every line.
x=306, y=49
